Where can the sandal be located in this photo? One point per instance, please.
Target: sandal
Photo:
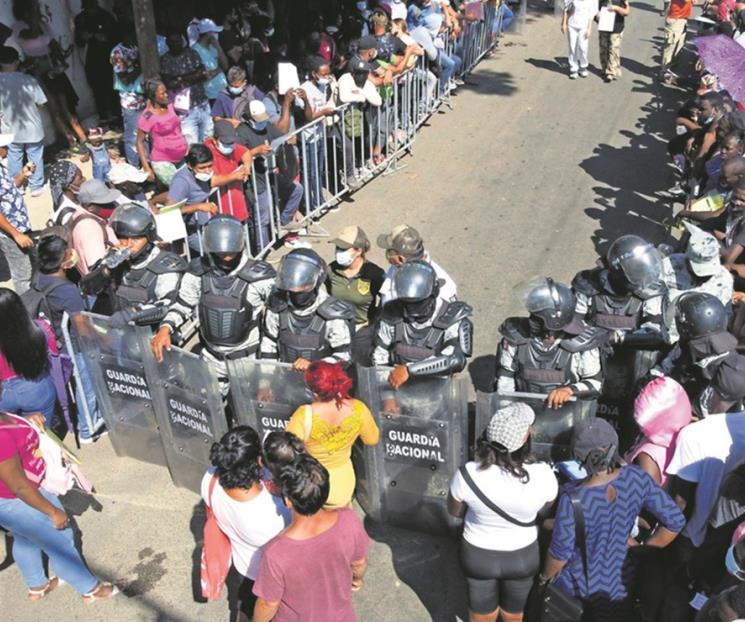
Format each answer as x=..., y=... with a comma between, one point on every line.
x=39, y=594
x=95, y=593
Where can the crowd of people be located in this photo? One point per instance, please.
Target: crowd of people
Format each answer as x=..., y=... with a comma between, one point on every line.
x=633, y=514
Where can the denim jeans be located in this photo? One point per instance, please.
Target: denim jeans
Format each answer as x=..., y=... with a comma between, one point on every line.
x=197, y=125
x=450, y=66
x=261, y=217
x=33, y=533
x=86, y=393
x=315, y=153
x=18, y=262
x=291, y=204
x=507, y=17
x=129, y=121
x=24, y=397
x=35, y=153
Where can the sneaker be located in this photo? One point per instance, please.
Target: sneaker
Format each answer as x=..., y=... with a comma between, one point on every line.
x=94, y=438
x=354, y=183
x=573, y=75
x=296, y=242
x=37, y=193
x=459, y=82
x=583, y=73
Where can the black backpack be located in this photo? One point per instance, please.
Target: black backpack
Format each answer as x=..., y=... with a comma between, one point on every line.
x=35, y=298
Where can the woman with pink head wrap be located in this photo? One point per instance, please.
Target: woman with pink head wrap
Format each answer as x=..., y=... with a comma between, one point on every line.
x=661, y=410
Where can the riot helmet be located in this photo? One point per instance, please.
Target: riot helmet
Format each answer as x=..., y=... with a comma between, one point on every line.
x=636, y=260
x=416, y=286
x=699, y=315
x=301, y=273
x=550, y=304
x=223, y=241
x=131, y=221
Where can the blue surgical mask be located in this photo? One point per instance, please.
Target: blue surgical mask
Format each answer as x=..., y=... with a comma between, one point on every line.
x=236, y=90
x=225, y=149
x=259, y=126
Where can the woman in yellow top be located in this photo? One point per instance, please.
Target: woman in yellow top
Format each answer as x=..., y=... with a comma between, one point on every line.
x=330, y=426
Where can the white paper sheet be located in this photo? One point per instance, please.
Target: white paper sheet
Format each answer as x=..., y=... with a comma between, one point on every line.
x=607, y=20
x=170, y=223
x=287, y=78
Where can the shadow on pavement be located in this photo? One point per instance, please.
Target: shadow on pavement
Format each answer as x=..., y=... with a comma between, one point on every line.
x=558, y=65
x=489, y=82
x=430, y=566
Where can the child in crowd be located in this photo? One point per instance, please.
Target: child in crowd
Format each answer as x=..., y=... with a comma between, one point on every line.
x=98, y=154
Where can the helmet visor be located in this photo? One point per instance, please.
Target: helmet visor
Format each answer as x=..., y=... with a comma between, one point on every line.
x=299, y=273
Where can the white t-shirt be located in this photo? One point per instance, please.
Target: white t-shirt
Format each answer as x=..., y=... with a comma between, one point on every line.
x=248, y=524
x=581, y=12
x=704, y=453
x=483, y=527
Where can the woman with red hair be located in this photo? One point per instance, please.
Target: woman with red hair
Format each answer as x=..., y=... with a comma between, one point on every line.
x=330, y=426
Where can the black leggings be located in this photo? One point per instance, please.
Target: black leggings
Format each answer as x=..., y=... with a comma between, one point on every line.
x=498, y=579
x=240, y=594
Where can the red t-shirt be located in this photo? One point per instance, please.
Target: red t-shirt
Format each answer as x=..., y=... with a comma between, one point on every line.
x=19, y=438
x=232, y=198
x=680, y=9
x=312, y=579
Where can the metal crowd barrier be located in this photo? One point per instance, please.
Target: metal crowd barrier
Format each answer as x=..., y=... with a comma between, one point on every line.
x=339, y=153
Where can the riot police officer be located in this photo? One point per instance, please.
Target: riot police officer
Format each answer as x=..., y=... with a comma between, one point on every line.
x=303, y=323
x=549, y=352
x=626, y=296
x=229, y=291
x=140, y=278
x=419, y=333
x=151, y=275
x=705, y=360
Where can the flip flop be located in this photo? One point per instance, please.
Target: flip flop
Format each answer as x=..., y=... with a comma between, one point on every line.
x=93, y=595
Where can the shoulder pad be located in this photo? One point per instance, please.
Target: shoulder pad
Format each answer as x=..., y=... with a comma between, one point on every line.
x=166, y=261
x=335, y=309
x=588, y=339
x=276, y=302
x=197, y=267
x=256, y=271
x=515, y=330
x=452, y=313
x=587, y=282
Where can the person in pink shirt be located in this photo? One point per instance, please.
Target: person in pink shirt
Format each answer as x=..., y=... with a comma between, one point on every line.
x=661, y=410
x=36, y=519
x=160, y=122
x=92, y=237
x=27, y=386
x=309, y=571
x=231, y=165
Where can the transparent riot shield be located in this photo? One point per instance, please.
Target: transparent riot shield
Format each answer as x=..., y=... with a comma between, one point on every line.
x=404, y=480
x=552, y=429
x=111, y=359
x=622, y=370
x=188, y=406
x=264, y=394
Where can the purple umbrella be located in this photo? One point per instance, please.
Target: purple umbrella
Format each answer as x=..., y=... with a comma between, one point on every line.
x=725, y=58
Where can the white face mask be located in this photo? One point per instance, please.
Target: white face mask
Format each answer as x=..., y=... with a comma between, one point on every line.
x=203, y=176
x=225, y=149
x=323, y=81
x=345, y=258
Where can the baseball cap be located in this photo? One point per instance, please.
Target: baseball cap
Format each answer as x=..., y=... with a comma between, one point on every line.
x=207, y=25
x=225, y=132
x=351, y=237
x=593, y=434
x=367, y=43
x=702, y=252
x=257, y=110
x=96, y=191
x=403, y=239
x=509, y=426
x=6, y=139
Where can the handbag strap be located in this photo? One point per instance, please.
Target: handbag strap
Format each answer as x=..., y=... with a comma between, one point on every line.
x=489, y=503
x=213, y=481
x=579, y=528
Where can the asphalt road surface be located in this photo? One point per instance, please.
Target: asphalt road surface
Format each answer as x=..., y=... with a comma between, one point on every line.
x=529, y=174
